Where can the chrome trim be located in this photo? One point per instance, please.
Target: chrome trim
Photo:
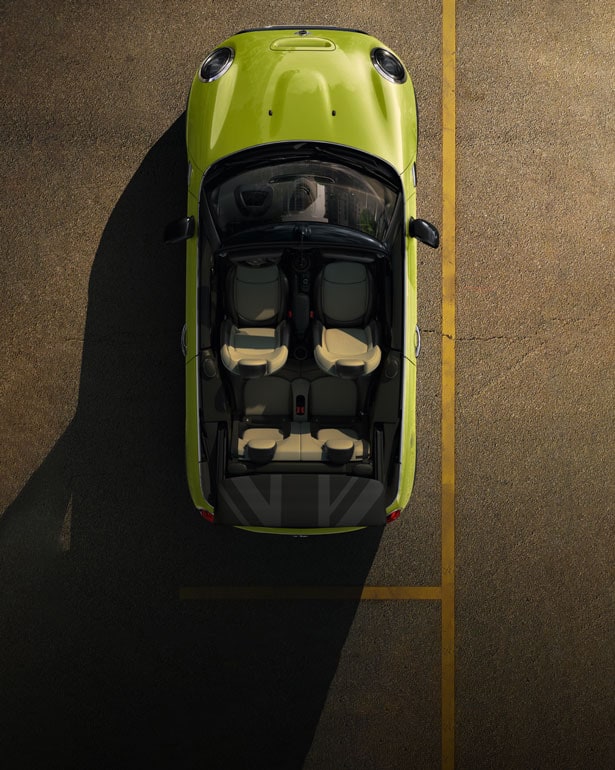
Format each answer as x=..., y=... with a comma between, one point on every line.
x=380, y=69
x=224, y=68
x=182, y=341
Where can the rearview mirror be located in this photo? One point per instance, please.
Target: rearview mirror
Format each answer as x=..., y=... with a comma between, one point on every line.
x=179, y=230
x=424, y=232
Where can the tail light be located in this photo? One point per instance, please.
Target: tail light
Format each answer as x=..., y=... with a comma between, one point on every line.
x=207, y=515
x=394, y=515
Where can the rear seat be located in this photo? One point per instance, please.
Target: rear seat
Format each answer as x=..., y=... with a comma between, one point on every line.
x=300, y=421
x=335, y=430
x=266, y=424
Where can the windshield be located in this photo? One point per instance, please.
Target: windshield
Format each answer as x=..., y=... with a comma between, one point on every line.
x=302, y=191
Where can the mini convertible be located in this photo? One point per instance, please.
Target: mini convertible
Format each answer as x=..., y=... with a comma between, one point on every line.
x=301, y=330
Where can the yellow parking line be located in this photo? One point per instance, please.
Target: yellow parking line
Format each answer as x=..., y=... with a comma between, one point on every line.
x=448, y=383
x=336, y=593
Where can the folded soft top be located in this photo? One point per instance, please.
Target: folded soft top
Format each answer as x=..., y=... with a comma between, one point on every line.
x=301, y=500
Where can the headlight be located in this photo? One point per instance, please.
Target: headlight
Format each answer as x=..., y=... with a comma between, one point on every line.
x=216, y=64
x=388, y=65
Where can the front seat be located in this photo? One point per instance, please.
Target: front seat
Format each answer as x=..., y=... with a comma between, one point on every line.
x=254, y=336
x=345, y=335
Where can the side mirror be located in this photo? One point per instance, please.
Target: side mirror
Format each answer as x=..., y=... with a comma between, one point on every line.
x=424, y=232
x=179, y=230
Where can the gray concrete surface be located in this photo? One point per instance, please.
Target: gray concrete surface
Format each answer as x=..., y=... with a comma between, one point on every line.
x=102, y=665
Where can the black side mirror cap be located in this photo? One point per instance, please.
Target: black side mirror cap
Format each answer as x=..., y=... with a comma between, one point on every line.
x=179, y=230
x=424, y=232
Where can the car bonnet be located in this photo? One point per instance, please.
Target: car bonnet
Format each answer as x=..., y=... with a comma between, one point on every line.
x=301, y=85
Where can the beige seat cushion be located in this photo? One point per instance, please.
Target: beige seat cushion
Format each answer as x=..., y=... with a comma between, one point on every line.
x=262, y=349
x=315, y=448
x=341, y=350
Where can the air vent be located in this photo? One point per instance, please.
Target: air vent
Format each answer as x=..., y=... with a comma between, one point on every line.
x=303, y=43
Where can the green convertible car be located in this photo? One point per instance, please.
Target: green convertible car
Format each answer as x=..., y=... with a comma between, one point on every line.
x=301, y=329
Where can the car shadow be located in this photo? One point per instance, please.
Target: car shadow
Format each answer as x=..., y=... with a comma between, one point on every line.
x=102, y=662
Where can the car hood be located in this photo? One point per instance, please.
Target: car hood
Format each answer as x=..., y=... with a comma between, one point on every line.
x=284, y=86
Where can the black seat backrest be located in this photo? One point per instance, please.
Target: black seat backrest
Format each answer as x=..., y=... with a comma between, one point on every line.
x=333, y=397
x=256, y=295
x=344, y=294
x=267, y=397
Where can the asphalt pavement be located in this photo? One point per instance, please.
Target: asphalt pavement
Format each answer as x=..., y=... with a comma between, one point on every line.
x=102, y=661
